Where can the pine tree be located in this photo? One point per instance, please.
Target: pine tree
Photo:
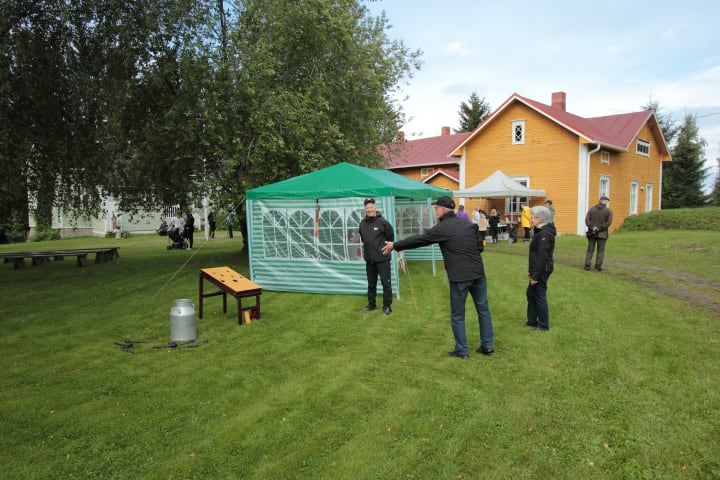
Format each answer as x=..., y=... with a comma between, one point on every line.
x=714, y=199
x=472, y=113
x=683, y=177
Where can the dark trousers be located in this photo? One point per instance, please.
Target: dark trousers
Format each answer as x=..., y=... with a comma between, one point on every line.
x=527, y=233
x=212, y=229
x=600, y=243
x=189, y=236
x=494, y=234
x=538, y=313
x=383, y=270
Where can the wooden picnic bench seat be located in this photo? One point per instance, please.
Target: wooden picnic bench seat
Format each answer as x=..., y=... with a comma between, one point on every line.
x=231, y=282
x=41, y=256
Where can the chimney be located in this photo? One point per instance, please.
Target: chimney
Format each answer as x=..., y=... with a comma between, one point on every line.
x=445, y=131
x=399, y=136
x=558, y=100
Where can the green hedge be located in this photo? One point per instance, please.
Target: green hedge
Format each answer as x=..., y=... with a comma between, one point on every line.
x=704, y=218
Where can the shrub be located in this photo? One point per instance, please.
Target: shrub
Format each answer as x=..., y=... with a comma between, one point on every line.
x=703, y=218
x=44, y=235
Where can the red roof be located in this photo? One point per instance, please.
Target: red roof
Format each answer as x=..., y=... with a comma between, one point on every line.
x=612, y=131
x=425, y=152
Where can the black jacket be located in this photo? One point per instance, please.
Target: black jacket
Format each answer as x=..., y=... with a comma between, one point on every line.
x=374, y=231
x=541, y=251
x=459, y=243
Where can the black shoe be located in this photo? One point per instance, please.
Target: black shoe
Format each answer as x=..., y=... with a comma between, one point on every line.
x=368, y=308
x=387, y=310
x=485, y=350
x=531, y=325
x=597, y=269
x=587, y=267
x=541, y=329
x=458, y=355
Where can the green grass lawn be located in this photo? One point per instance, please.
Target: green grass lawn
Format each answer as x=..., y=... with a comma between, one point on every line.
x=626, y=384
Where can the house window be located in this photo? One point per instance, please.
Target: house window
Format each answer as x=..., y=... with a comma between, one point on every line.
x=633, y=197
x=518, y=132
x=605, y=186
x=642, y=148
x=648, y=197
x=512, y=204
x=425, y=172
x=605, y=157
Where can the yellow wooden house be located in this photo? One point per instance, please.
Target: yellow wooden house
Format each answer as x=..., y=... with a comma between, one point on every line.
x=574, y=159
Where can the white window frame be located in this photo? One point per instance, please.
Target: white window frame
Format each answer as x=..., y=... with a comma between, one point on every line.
x=518, y=132
x=604, y=187
x=425, y=172
x=512, y=204
x=604, y=157
x=634, y=188
x=649, y=187
x=642, y=147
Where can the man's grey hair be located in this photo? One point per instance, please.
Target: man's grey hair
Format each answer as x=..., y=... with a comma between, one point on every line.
x=543, y=213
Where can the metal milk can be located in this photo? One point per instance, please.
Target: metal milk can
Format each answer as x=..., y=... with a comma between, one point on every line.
x=182, y=321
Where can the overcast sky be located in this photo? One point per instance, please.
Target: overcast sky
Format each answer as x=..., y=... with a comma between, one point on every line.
x=609, y=57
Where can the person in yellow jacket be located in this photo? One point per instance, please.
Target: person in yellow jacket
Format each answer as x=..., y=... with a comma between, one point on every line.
x=525, y=220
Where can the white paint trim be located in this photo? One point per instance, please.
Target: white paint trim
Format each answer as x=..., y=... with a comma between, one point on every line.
x=583, y=187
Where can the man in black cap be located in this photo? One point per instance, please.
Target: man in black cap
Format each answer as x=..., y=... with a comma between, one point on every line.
x=374, y=232
x=597, y=221
x=461, y=247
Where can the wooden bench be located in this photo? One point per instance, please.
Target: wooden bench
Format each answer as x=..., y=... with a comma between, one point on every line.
x=102, y=255
x=231, y=282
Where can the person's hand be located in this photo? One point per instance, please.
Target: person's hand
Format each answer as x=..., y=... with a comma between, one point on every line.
x=388, y=247
x=533, y=282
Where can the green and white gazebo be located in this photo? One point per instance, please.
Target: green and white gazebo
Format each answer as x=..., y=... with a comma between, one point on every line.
x=303, y=232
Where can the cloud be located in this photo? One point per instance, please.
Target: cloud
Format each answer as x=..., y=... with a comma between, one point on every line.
x=458, y=49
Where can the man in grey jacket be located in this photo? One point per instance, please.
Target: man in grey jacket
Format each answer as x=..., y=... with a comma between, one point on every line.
x=597, y=221
x=374, y=231
x=461, y=247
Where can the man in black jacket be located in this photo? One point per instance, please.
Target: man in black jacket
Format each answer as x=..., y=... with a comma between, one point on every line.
x=374, y=232
x=461, y=247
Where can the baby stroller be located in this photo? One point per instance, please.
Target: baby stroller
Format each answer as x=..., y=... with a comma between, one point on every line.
x=177, y=240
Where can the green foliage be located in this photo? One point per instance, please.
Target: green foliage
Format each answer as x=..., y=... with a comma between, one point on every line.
x=317, y=389
x=43, y=235
x=472, y=113
x=683, y=177
x=714, y=198
x=707, y=218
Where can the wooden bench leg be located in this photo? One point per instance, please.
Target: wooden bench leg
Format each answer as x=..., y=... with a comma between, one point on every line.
x=82, y=260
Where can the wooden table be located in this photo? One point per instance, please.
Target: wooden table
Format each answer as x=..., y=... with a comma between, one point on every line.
x=231, y=282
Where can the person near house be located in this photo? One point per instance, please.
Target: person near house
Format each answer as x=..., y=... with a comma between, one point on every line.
x=163, y=228
x=525, y=221
x=461, y=213
x=540, y=266
x=549, y=206
x=461, y=250
x=211, y=222
x=189, y=228
x=597, y=220
x=476, y=216
x=493, y=221
x=229, y=224
x=374, y=232
x=482, y=226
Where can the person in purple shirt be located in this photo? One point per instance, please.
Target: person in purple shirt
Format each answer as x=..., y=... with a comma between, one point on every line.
x=461, y=213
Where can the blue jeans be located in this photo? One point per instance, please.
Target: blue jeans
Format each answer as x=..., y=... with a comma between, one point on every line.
x=458, y=295
x=537, y=306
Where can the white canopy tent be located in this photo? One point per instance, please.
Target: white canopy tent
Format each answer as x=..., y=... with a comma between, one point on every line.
x=499, y=185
